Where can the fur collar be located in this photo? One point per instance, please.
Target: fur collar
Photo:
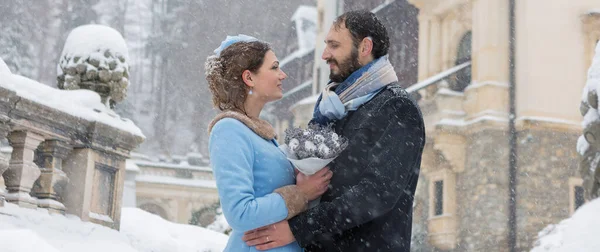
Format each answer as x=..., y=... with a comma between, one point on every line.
x=260, y=127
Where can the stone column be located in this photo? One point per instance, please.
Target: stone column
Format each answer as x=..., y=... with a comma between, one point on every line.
x=4, y=128
x=489, y=94
x=22, y=171
x=423, y=46
x=434, y=57
x=50, y=186
x=435, y=46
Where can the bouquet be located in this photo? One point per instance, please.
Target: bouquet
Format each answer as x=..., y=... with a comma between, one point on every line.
x=311, y=149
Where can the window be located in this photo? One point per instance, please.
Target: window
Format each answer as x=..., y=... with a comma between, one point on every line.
x=442, y=193
x=439, y=197
x=442, y=222
x=579, y=200
x=576, y=194
x=463, y=77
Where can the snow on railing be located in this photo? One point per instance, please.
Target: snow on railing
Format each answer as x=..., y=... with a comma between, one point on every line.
x=436, y=78
x=68, y=148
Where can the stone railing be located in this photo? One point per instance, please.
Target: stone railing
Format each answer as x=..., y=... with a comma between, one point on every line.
x=62, y=161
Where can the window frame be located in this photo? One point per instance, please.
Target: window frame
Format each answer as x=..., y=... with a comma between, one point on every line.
x=448, y=201
x=573, y=183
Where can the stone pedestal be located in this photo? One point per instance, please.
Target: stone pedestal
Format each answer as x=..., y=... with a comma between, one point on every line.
x=96, y=186
x=50, y=186
x=22, y=171
x=488, y=94
x=79, y=166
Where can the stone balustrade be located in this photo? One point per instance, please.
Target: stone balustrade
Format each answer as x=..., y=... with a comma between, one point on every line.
x=62, y=162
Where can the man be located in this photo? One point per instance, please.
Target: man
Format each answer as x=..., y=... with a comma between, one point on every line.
x=368, y=206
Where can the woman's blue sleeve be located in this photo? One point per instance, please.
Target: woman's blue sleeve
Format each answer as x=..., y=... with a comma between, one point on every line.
x=232, y=159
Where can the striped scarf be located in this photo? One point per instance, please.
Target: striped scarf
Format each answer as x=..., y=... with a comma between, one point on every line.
x=360, y=87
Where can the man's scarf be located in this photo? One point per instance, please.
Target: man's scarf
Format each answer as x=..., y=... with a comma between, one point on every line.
x=360, y=87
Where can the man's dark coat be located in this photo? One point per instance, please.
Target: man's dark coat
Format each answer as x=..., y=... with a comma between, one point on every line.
x=368, y=206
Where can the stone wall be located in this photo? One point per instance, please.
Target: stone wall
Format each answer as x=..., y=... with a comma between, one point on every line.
x=547, y=159
x=175, y=191
x=482, y=193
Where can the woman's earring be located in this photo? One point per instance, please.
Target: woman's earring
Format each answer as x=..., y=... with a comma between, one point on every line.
x=250, y=91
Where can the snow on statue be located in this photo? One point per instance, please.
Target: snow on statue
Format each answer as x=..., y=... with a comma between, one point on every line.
x=95, y=57
x=588, y=145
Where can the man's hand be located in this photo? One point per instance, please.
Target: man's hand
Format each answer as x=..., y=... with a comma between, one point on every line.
x=271, y=236
x=314, y=185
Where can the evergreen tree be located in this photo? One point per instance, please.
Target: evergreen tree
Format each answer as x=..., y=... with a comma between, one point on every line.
x=16, y=27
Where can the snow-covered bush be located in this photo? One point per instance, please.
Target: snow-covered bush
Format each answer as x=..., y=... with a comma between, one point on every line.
x=95, y=58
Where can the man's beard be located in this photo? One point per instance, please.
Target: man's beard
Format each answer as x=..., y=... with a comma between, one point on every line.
x=346, y=68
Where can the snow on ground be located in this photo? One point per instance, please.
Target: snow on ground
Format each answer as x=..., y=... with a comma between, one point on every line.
x=578, y=233
x=37, y=230
x=149, y=232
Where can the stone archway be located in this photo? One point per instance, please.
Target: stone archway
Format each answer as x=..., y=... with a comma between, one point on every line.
x=155, y=209
x=205, y=216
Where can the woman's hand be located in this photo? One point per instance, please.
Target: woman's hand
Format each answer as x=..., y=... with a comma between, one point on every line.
x=314, y=185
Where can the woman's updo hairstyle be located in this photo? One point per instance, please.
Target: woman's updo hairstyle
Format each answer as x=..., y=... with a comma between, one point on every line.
x=224, y=73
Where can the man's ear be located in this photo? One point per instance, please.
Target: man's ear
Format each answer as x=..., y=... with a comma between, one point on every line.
x=247, y=78
x=366, y=46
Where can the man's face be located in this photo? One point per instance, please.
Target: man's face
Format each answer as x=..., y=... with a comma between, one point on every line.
x=340, y=53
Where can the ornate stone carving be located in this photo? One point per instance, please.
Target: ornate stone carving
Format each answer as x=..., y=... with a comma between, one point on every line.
x=100, y=66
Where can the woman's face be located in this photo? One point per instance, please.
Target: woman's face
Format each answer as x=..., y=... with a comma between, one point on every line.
x=268, y=78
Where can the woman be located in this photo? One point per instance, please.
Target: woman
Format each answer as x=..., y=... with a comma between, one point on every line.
x=254, y=179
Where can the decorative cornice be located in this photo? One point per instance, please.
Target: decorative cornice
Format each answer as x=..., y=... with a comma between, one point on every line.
x=547, y=123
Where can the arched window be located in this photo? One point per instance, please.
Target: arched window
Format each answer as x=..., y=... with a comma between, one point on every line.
x=462, y=78
x=154, y=209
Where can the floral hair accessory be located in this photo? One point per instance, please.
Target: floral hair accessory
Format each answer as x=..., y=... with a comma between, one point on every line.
x=231, y=40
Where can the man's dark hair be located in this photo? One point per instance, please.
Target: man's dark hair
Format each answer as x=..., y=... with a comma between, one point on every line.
x=362, y=24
